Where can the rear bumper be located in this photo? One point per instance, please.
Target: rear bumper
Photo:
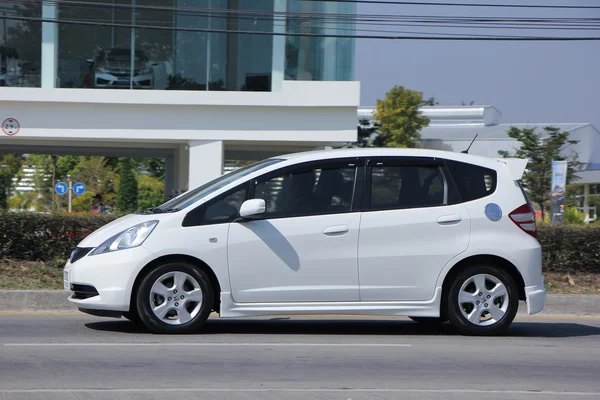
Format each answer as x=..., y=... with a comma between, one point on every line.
x=536, y=298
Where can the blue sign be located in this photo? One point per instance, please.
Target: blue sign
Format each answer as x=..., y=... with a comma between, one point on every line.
x=493, y=212
x=61, y=188
x=79, y=188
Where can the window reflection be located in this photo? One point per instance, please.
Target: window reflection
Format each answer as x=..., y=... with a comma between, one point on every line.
x=20, y=45
x=173, y=58
x=320, y=58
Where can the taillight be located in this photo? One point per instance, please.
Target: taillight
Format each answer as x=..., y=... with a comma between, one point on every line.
x=524, y=218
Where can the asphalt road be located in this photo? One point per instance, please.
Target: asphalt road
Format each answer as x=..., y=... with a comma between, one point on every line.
x=78, y=357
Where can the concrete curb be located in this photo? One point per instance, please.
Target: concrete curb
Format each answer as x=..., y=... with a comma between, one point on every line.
x=14, y=301
x=35, y=300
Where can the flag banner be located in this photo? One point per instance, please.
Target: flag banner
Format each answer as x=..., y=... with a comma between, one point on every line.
x=558, y=191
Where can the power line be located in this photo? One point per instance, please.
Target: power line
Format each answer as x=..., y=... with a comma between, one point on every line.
x=497, y=5
x=294, y=34
x=73, y=4
x=350, y=20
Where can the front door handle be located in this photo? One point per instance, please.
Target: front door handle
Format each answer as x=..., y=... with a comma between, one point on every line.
x=449, y=219
x=336, y=230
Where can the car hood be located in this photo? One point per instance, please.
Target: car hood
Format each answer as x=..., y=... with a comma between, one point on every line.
x=115, y=227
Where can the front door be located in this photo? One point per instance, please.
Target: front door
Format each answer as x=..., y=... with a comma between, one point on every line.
x=409, y=231
x=304, y=249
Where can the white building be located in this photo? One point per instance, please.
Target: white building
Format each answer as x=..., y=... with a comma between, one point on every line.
x=454, y=128
x=192, y=91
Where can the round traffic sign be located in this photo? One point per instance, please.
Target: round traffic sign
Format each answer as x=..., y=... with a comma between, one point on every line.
x=79, y=188
x=11, y=126
x=61, y=188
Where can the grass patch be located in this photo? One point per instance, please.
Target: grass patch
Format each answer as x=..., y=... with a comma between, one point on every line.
x=582, y=283
x=30, y=275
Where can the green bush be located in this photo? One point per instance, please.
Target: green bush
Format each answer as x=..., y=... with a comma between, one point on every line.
x=572, y=215
x=570, y=248
x=43, y=237
x=151, y=192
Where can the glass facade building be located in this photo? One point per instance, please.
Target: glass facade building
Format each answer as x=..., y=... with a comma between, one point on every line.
x=232, y=45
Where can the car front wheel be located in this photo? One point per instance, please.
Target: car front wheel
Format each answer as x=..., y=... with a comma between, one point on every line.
x=482, y=300
x=175, y=298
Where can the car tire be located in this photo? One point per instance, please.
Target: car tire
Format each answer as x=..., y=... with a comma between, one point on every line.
x=482, y=300
x=429, y=321
x=175, y=298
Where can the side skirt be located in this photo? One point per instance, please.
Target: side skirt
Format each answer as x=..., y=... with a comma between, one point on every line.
x=428, y=308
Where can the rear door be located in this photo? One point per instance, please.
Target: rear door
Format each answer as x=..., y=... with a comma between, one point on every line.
x=408, y=230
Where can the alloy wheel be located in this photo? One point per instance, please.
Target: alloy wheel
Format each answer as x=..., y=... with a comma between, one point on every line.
x=483, y=300
x=176, y=298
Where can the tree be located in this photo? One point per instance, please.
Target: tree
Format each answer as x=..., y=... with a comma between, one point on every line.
x=399, y=117
x=367, y=133
x=98, y=176
x=151, y=192
x=541, y=149
x=431, y=102
x=10, y=165
x=153, y=166
x=127, y=193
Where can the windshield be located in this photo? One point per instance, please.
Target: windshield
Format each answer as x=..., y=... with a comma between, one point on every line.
x=189, y=198
x=121, y=55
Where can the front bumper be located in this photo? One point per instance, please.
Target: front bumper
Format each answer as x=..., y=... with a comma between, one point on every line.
x=109, y=81
x=112, y=275
x=536, y=298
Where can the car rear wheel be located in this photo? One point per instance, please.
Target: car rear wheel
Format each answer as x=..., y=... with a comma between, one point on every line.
x=482, y=300
x=175, y=298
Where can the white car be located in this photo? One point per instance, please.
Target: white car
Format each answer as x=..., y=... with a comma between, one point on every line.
x=427, y=234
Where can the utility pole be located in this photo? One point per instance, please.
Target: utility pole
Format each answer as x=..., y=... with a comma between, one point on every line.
x=70, y=192
x=53, y=183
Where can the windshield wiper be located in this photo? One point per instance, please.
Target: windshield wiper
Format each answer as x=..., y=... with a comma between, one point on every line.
x=157, y=210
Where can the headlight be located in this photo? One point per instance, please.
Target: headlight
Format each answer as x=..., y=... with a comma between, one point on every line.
x=145, y=71
x=128, y=239
x=101, y=70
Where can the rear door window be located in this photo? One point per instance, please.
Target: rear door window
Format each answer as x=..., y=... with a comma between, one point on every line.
x=472, y=181
x=405, y=186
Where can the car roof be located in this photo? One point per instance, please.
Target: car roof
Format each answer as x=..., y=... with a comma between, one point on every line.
x=316, y=155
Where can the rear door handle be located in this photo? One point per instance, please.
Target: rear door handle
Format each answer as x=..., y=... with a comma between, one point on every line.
x=336, y=230
x=449, y=219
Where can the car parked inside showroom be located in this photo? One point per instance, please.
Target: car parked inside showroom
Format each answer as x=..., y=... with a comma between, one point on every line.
x=432, y=235
x=112, y=69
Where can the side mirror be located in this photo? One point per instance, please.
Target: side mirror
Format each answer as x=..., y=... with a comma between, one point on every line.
x=253, y=208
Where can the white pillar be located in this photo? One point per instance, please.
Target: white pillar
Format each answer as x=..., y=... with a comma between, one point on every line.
x=49, y=44
x=586, y=200
x=279, y=26
x=182, y=168
x=206, y=161
x=170, y=173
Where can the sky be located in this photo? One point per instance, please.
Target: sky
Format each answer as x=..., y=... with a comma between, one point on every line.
x=536, y=82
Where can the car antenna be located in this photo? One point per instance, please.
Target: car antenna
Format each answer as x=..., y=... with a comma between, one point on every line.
x=468, y=148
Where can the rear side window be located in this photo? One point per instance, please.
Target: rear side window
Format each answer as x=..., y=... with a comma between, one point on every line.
x=472, y=181
x=398, y=187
